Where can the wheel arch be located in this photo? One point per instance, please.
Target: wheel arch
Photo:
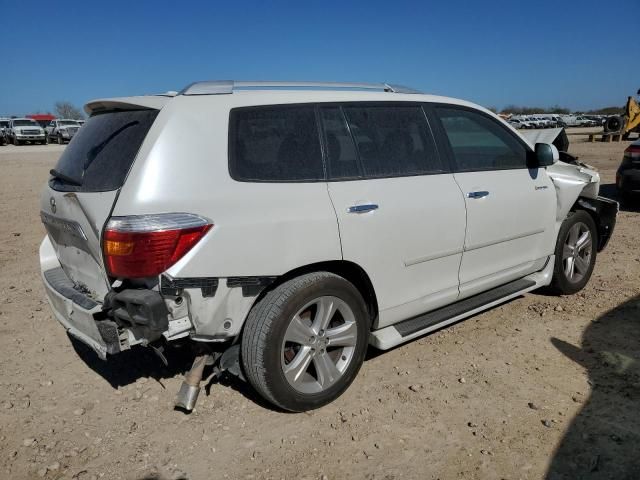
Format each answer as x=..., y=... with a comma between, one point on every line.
x=350, y=271
x=604, y=212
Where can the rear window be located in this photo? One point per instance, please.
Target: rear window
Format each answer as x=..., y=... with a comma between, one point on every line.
x=102, y=152
x=275, y=144
x=393, y=141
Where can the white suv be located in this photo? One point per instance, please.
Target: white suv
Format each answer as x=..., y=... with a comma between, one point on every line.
x=281, y=228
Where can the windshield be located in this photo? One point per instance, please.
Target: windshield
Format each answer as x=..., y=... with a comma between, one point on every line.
x=24, y=123
x=68, y=122
x=102, y=151
x=4, y=123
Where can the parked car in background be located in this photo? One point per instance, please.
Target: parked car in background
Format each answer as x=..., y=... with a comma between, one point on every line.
x=628, y=174
x=22, y=130
x=536, y=122
x=559, y=123
x=152, y=227
x=61, y=130
x=585, y=122
x=519, y=124
x=4, y=130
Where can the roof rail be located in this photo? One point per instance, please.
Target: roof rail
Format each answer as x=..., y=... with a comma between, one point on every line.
x=219, y=87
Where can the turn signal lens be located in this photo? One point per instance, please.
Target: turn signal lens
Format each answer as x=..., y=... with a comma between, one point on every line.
x=147, y=245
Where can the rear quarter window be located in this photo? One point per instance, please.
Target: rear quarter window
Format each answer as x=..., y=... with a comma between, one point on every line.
x=275, y=144
x=103, y=151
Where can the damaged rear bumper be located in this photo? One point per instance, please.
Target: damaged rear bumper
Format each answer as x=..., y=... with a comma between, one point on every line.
x=75, y=311
x=126, y=318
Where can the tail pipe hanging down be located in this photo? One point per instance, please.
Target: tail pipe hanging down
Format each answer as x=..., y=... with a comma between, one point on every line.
x=188, y=393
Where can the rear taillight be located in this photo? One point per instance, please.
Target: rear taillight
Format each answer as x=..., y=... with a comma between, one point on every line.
x=632, y=152
x=147, y=245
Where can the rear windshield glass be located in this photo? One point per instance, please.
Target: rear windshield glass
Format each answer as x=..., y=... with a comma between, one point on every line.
x=102, y=152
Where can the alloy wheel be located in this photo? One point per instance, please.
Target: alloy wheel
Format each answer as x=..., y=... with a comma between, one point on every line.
x=319, y=344
x=576, y=252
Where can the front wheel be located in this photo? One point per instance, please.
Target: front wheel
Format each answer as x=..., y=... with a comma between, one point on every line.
x=575, y=252
x=305, y=341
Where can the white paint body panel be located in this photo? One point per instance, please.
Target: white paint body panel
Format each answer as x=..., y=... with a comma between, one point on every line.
x=410, y=246
x=508, y=229
x=259, y=228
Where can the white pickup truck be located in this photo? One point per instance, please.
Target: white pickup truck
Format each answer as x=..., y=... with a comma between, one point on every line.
x=61, y=130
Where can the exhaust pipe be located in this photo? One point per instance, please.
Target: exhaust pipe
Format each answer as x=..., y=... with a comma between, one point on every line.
x=190, y=388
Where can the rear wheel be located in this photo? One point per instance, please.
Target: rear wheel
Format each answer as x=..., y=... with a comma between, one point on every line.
x=305, y=341
x=575, y=253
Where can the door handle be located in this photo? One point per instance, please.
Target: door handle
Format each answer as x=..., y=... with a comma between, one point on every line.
x=480, y=194
x=368, y=207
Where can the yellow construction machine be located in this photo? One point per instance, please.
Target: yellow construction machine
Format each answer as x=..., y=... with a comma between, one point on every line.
x=626, y=123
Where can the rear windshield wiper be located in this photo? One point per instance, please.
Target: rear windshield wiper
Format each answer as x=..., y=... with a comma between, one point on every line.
x=65, y=178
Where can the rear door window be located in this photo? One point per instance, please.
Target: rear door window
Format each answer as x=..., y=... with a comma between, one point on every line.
x=479, y=142
x=275, y=144
x=340, y=150
x=393, y=141
x=102, y=152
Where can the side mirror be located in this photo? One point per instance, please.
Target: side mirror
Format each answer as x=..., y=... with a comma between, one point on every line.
x=546, y=154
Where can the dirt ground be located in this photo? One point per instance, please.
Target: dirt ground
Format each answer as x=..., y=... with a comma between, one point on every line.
x=539, y=387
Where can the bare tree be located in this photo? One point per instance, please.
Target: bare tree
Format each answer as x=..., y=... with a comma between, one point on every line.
x=68, y=110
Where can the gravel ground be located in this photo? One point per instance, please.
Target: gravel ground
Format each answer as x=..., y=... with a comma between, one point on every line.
x=539, y=387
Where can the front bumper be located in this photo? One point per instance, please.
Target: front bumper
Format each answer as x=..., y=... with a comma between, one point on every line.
x=30, y=137
x=67, y=135
x=605, y=212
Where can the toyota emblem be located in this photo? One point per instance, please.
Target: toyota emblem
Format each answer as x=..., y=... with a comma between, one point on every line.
x=52, y=202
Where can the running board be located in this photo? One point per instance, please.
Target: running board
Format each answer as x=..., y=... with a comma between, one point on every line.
x=406, y=330
x=434, y=317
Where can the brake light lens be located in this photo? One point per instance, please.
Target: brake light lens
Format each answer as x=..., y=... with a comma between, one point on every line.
x=632, y=152
x=147, y=245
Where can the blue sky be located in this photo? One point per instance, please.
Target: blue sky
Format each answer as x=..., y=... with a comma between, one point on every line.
x=541, y=53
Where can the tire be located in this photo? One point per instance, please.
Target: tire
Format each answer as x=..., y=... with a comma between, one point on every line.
x=568, y=277
x=614, y=124
x=16, y=142
x=269, y=343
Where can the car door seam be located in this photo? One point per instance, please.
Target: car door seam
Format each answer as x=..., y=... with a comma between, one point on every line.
x=335, y=213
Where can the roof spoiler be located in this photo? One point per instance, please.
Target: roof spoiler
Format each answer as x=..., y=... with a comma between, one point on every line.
x=155, y=102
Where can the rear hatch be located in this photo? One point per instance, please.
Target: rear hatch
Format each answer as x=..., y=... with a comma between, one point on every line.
x=83, y=188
